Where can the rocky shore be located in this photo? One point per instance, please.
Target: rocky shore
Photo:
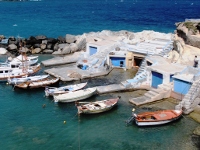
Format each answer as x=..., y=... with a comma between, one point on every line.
x=43, y=45
x=71, y=43
x=189, y=31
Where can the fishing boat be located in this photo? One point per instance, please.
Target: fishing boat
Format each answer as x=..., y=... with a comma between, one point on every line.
x=75, y=96
x=50, y=91
x=37, y=84
x=96, y=107
x=26, y=78
x=157, y=117
x=31, y=60
x=15, y=71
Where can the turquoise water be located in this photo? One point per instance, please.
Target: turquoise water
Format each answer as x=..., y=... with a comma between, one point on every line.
x=26, y=124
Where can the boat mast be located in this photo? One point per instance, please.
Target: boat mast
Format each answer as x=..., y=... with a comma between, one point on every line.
x=24, y=58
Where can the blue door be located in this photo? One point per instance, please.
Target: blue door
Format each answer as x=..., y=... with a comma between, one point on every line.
x=181, y=87
x=118, y=61
x=157, y=79
x=93, y=50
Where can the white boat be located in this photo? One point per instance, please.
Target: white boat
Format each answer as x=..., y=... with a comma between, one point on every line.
x=31, y=60
x=26, y=78
x=37, y=84
x=75, y=96
x=157, y=117
x=15, y=71
x=50, y=91
x=96, y=107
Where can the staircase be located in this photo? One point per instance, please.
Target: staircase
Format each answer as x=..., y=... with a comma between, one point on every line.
x=191, y=99
x=167, y=49
x=139, y=77
x=163, y=91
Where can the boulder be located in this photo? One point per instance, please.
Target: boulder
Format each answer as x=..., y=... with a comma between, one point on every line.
x=3, y=51
x=81, y=43
x=32, y=40
x=44, y=41
x=36, y=50
x=73, y=47
x=41, y=37
x=43, y=46
x=12, y=47
x=49, y=46
x=70, y=38
x=55, y=48
x=61, y=39
x=25, y=49
x=66, y=50
x=36, y=46
x=47, y=51
x=52, y=40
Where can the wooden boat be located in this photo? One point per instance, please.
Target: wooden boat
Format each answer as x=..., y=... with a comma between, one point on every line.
x=50, y=91
x=15, y=71
x=157, y=117
x=27, y=78
x=37, y=84
x=96, y=107
x=75, y=96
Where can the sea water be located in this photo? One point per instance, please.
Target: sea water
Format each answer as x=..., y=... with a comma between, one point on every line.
x=31, y=121
x=58, y=18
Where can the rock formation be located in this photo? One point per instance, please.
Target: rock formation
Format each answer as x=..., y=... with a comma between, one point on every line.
x=189, y=32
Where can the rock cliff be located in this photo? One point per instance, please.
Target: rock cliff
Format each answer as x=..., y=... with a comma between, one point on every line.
x=189, y=31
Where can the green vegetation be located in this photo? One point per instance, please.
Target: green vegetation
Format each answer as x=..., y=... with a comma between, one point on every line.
x=191, y=26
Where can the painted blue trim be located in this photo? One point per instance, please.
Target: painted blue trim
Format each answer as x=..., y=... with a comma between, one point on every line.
x=157, y=79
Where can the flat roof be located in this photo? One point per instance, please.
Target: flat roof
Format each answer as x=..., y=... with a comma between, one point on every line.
x=184, y=77
x=167, y=68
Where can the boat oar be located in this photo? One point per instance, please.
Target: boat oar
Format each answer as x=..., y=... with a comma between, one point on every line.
x=130, y=119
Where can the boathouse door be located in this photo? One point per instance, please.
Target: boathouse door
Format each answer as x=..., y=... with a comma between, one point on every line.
x=118, y=61
x=157, y=79
x=92, y=50
x=181, y=87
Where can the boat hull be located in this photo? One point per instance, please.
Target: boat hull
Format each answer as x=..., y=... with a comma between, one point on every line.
x=37, y=84
x=25, y=79
x=74, y=96
x=103, y=106
x=155, y=123
x=157, y=118
x=49, y=91
x=17, y=73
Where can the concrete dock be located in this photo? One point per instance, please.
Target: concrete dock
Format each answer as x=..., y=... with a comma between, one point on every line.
x=72, y=73
x=72, y=58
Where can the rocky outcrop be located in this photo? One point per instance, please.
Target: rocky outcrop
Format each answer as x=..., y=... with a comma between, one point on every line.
x=41, y=44
x=189, y=32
